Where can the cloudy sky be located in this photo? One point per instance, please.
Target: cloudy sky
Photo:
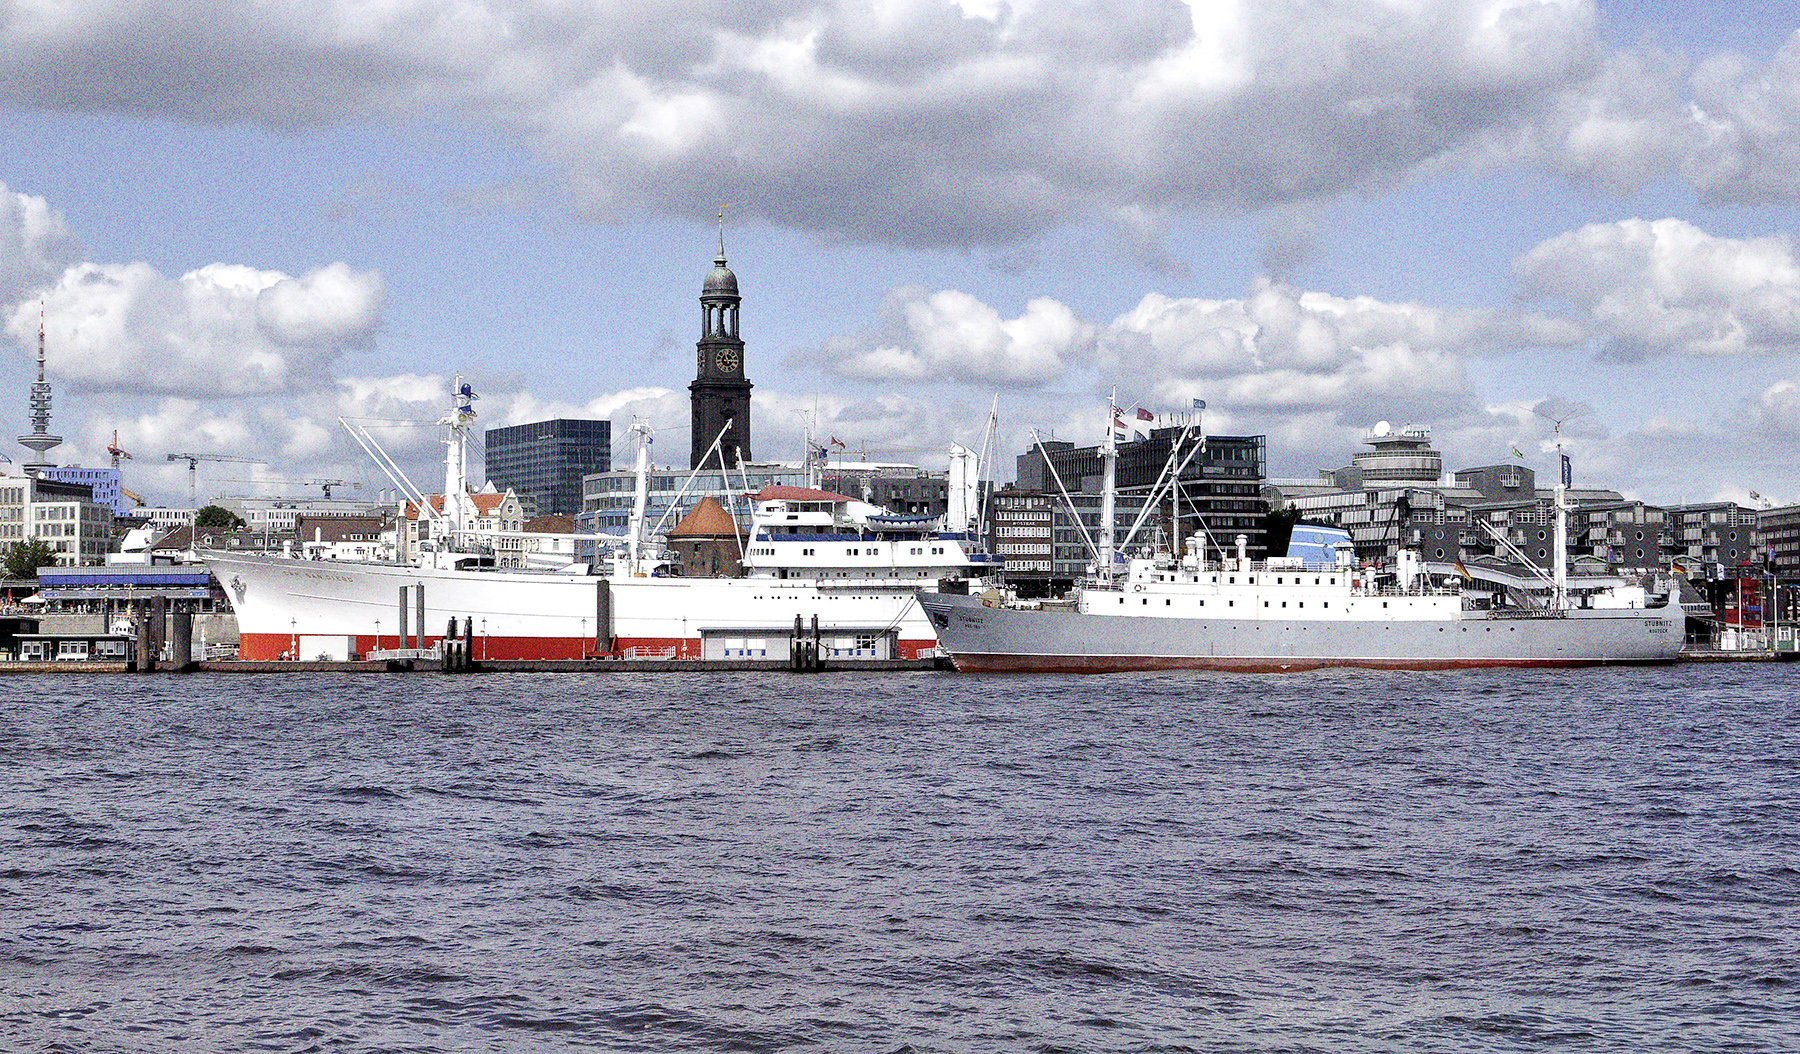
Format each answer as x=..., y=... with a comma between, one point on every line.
x=242, y=221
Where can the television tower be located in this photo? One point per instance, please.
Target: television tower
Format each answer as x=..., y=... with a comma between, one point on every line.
x=39, y=440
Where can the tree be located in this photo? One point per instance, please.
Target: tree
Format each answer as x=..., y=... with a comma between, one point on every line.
x=22, y=559
x=217, y=518
x=1279, y=527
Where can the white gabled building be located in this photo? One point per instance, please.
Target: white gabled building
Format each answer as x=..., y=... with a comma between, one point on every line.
x=495, y=520
x=364, y=538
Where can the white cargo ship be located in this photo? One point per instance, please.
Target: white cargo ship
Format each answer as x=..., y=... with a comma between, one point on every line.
x=841, y=570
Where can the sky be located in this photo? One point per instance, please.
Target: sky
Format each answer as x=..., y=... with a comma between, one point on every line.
x=239, y=223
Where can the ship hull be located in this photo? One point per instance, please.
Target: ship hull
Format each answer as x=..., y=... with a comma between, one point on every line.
x=983, y=639
x=523, y=615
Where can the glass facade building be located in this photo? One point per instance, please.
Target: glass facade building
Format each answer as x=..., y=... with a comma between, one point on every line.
x=670, y=494
x=104, y=482
x=543, y=462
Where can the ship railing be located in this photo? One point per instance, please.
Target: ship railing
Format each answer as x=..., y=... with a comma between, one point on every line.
x=1397, y=591
x=1526, y=613
x=644, y=651
x=401, y=654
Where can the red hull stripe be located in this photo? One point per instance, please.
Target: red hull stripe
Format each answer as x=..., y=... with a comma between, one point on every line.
x=271, y=647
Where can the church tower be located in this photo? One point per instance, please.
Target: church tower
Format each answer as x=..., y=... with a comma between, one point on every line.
x=720, y=392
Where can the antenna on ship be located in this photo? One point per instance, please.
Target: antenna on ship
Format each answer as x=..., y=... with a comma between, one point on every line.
x=1565, y=477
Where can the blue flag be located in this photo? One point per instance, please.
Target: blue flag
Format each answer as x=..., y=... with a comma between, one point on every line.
x=1568, y=472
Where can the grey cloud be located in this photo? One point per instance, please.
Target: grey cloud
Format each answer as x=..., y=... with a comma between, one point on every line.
x=35, y=244
x=905, y=123
x=1749, y=122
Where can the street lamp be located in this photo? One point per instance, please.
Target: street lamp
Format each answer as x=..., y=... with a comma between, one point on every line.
x=294, y=628
x=377, y=646
x=484, y=638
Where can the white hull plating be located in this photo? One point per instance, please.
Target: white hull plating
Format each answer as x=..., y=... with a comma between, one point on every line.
x=525, y=615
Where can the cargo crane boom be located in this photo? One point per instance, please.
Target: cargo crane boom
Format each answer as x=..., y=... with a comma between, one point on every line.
x=324, y=484
x=193, y=463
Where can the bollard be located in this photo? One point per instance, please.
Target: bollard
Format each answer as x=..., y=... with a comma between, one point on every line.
x=181, y=642
x=145, y=660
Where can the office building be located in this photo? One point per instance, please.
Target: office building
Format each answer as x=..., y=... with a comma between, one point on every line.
x=543, y=462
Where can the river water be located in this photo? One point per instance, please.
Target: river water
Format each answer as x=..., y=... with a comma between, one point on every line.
x=1487, y=860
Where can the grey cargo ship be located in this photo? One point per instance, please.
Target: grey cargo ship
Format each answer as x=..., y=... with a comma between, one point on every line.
x=1281, y=615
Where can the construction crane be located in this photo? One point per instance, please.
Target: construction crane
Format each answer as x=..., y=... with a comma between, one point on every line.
x=115, y=450
x=324, y=484
x=194, y=460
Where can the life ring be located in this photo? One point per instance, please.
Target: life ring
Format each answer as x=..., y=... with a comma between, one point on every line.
x=1139, y=587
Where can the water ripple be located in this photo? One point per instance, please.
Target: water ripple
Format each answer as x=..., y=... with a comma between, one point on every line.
x=1507, y=860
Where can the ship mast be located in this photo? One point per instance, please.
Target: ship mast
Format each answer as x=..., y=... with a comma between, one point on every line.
x=1564, y=479
x=456, y=483
x=1109, y=471
x=634, y=541
x=1561, y=577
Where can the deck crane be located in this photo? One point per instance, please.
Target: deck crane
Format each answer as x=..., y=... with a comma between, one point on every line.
x=194, y=460
x=116, y=451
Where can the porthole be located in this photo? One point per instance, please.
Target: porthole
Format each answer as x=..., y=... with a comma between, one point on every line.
x=1440, y=552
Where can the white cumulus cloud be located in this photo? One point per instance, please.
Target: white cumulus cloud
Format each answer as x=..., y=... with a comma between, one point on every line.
x=1297, y=351
x=221, y=330
x=1654, y=287
x=948, y=335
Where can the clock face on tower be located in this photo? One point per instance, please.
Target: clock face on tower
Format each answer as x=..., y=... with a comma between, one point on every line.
x=727, y=360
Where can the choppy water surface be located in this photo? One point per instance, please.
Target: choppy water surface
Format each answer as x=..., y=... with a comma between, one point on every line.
x=1597, y=860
